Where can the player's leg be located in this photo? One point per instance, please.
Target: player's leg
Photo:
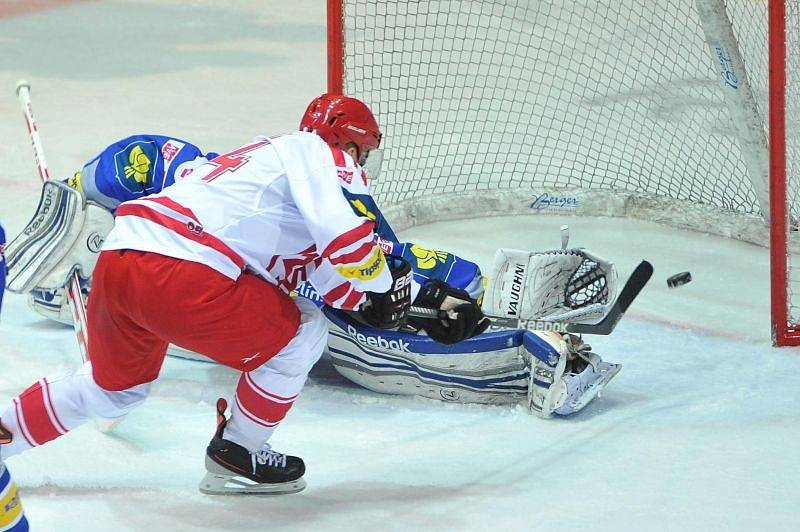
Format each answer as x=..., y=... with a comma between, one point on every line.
x=238, y=455
x=53, y=406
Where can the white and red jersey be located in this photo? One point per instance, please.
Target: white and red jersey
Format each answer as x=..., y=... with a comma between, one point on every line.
x=275, y=207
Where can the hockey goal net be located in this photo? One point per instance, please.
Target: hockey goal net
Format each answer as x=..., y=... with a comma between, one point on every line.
x=640, y=108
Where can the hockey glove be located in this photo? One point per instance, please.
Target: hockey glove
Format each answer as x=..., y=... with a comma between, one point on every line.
x=464, y=316
x=389, y=310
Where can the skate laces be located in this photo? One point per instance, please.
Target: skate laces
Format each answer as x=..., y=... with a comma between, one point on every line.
x=267, y=457
x=578, y=349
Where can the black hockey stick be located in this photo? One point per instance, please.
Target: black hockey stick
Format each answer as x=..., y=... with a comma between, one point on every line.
x=638, y=279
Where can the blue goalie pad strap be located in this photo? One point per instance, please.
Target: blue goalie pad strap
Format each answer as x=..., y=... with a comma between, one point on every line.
x=540, y=348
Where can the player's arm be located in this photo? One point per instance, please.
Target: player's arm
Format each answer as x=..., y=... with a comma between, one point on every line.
x=353, y=273
x=136, y=166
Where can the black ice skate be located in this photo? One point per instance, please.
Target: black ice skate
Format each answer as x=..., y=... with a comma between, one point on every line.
x=5, y=434
x=234, y=470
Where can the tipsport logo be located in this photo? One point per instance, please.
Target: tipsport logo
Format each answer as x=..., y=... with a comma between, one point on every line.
x=136, y=166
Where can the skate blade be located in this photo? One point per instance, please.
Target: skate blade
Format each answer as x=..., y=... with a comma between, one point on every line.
x=214, y=484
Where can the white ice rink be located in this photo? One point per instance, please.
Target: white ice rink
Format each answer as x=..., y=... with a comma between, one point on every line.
x=700, y=430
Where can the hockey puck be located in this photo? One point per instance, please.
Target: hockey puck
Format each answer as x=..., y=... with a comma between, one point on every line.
x=679, y=279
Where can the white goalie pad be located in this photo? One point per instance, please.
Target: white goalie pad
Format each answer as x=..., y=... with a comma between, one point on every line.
x=569, y=285
x=65, y=233
x=565, y=375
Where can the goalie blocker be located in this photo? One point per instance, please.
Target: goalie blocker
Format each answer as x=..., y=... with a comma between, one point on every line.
x=65, y=234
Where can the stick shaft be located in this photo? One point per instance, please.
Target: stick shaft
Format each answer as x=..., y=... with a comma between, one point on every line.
x=73, y=286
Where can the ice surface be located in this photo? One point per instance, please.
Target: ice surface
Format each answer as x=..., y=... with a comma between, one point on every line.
x=698, y=432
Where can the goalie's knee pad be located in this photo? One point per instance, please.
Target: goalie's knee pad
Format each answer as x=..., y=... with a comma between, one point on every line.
x=565, y=374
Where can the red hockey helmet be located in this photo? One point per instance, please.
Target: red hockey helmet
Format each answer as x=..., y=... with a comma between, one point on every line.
x=341, y=119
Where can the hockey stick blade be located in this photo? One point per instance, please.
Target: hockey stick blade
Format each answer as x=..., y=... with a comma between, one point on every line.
x=638, y=279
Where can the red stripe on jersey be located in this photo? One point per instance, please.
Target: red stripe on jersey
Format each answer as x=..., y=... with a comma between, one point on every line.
x=353, y=299
x=338, y=156
x=347, y=238
x=263, y=405
x=337, y=293
x=251, y=416
x=37, y=419
x=54, y=415
x=356, y=256
x=261, y=391
x=21, y=423
x=173, y=205
x=181, y=228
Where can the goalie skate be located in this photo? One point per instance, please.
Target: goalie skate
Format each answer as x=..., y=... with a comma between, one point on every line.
x=234, y=470
x=585, y=378
x=567, y=377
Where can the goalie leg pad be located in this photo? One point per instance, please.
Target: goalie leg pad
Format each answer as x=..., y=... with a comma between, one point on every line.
x=487, y=369
x=65, y=233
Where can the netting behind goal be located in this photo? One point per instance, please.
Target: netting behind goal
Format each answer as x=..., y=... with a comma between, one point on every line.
x=608, y=107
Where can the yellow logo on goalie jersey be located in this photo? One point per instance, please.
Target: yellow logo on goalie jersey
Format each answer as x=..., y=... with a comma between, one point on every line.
x=362, y=209
x=139, y=167
x=427, y=258
x=74, y=181
x=367, y=270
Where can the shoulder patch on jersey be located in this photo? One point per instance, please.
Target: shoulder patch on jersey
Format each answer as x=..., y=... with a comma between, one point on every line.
x=135, y=166
x=369, y=269
x=345, y=175
x=171, y=148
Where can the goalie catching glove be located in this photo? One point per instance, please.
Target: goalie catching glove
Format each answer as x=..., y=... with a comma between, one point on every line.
x=565, y=285
x=389, y=310
x=464, y=316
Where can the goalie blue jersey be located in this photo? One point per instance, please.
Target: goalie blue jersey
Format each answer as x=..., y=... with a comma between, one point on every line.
x=136, y=166
x=426, y=263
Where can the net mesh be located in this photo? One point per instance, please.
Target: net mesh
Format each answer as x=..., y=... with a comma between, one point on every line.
x=612, y=95
x=478, y=95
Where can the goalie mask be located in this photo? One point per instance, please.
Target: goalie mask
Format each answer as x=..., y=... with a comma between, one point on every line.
x=340, y=120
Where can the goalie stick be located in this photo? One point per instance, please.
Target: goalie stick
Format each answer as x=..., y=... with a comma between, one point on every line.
x=638, y=279
x=73, y=288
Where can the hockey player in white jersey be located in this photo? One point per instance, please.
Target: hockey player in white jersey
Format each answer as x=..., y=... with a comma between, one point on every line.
x=208, y=264
x=494, y=368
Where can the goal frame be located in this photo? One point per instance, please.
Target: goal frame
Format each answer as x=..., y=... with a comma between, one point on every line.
x=784, y=331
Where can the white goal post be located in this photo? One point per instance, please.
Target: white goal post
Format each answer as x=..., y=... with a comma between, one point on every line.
x=658, y=109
